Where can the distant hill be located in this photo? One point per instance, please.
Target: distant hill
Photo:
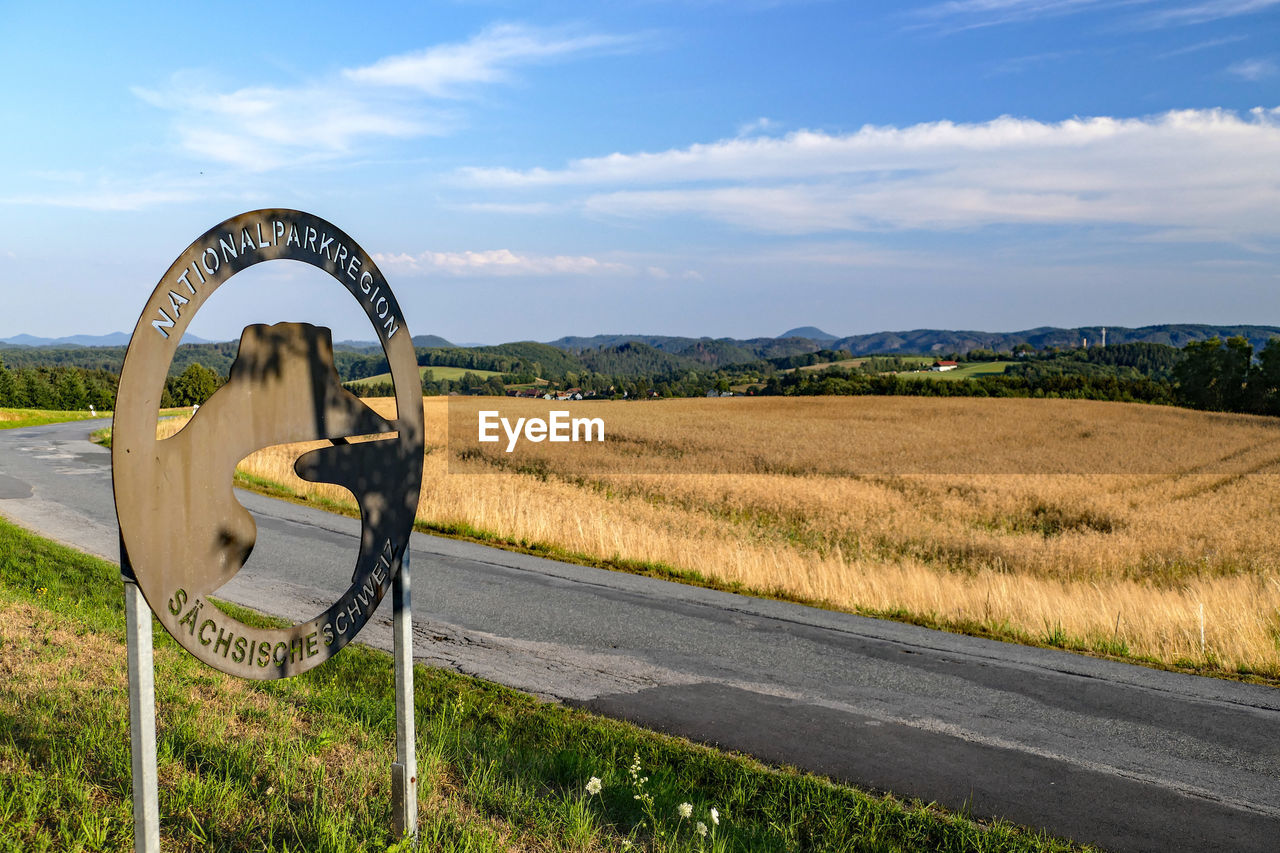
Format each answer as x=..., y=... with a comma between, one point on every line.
x=936, y=341
x=718, y=352
x=115, y=339
x=813, y=333
x=635, y=355
x=374, y=346
x=635, y=358
x=698, y=352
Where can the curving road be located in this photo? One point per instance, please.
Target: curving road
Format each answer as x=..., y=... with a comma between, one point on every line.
x=1121, y=756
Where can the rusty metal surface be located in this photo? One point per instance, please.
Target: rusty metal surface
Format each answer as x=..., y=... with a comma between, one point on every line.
x=183, y=533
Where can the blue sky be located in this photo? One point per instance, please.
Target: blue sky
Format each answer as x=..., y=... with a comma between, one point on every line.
x=654, y=166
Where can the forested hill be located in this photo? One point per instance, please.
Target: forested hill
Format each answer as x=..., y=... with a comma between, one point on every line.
x=216, y=357
x=655, y=355
x=711, y=352
x=704, y=352
x=929, y=341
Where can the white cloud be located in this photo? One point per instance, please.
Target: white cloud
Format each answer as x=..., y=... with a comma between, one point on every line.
x=261, y=128
x=759, y=125
x=73, y=190
x=972, y=14
x=1199, y=46
x=501, y=262
x=258, y=128
x=445, y=70
x=1212, y=10
x=1195, y=169
x=102, y=200
x=1253, y=69
x=518, y=208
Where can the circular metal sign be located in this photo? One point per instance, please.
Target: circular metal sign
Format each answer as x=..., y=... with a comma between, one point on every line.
x=182, y=532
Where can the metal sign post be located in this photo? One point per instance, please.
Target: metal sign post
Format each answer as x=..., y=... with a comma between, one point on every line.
x=142, y=721
x=404, y=773
x=183, y=535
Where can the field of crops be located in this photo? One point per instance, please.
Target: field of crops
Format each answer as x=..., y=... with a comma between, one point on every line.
x=1120, y=528
x=971, y=370
x=439, y=373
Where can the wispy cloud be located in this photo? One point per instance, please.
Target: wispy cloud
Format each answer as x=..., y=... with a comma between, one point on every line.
x=957, y=15
x=1204, y=12
x=262, y=128
x=409, y=95
x=74, y=190
x=759, y=125
x=1019, y=64
x=972, y=14
x=449, y=71
x=1199, y=46
x=1253, y=69
x=502, y=262
x=1193, y=169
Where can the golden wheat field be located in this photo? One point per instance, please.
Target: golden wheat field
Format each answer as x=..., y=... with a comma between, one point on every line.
x=1113, y=527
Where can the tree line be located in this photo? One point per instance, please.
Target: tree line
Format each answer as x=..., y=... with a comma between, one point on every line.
x=467, y=383
x=1211, y=375
x=57, y=388
x=841, y=381
x=1225, y=376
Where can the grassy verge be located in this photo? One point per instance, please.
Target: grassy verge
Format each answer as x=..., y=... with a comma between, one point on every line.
x=14, y=418
x=302, y=764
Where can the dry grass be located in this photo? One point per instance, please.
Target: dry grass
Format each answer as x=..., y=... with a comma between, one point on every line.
x=1096, y=525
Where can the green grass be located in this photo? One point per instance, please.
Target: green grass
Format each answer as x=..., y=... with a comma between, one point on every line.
x=303, y=764
x=13, y=418
x=103, y=435
x=847, y=363
x=450, y=373
x=850, y=363
x=972, y=370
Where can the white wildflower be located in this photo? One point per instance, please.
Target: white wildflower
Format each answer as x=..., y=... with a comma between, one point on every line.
x=715, y=817
x=593, y=786
x=686, y=810
x=702, y=829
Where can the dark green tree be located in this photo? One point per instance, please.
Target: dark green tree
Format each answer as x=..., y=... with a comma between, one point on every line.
x=6, y=386
x=1199, y=374
x=35, y=391
x=1264, y=381
x=196, y=385
x=72, y=396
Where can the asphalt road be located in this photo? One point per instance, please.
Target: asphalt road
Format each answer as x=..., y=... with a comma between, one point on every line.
x=1121, y=756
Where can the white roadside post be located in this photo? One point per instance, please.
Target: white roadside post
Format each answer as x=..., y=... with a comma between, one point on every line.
x=142, y=716
x=404, y=773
